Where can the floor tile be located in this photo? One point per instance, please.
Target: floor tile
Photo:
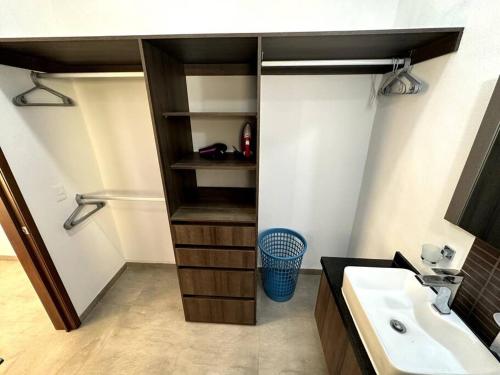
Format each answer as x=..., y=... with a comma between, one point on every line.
x=139, y=328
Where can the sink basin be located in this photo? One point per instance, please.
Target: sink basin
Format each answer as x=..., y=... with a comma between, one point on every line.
x=432, y=344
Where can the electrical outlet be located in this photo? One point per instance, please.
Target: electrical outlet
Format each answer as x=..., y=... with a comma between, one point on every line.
x=59, y=192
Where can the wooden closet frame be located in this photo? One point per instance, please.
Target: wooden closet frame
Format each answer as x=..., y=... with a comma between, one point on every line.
x=166, y=60
x=32, y=253
x=122, y=53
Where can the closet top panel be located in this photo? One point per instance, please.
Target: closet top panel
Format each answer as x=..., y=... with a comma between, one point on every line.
x=211, y=50
x=122, y=53
x=72, y=55
x=357, y=44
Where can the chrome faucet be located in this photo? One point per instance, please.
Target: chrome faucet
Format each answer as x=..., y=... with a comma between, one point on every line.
x=447, y=281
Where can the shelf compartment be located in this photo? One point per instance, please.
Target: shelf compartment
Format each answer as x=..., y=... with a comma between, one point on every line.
x=217, y=205
x=215, y=214
x=209, y=114
x=230, y=162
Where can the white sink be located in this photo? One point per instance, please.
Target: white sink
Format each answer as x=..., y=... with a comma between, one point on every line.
x=433, y=343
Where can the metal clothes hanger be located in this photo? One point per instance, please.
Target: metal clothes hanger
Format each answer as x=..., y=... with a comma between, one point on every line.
x=74, y=220
x=400, y=82
x=389, y=81
x=21, y=100
x=415, y=84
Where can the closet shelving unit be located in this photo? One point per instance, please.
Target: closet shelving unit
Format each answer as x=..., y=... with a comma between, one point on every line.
x=214, y=229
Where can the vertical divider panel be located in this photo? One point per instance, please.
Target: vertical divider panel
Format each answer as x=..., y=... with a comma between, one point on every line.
x=259, y=75
x=167, y=92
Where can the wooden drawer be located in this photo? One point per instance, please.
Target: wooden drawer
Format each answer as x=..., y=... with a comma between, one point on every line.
x=219, y=310
x=207, y=282
x=214, y=235
x=222, y=258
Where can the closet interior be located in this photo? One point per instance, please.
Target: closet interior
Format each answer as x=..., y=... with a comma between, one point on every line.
x=213, y=204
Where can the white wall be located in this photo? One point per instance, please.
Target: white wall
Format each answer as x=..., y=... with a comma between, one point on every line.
x=132, y=17
x=118, y=121
x=314, y=138
x=431, y=13
x=47, y=147
x=5, y=246
x=420, y=144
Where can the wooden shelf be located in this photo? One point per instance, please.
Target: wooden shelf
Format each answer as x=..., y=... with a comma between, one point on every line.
x=215, y=214
x=194, y=161
x=210, y=114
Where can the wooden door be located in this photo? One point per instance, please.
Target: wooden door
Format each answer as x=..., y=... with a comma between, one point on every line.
x=30, y=249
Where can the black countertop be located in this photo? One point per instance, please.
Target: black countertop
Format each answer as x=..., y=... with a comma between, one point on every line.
x=334, y=272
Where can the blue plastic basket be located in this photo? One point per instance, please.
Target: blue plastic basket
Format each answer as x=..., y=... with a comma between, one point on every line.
x=281, y=251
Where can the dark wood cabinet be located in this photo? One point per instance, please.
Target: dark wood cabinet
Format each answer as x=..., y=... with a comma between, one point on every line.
x=215, y=235
x=217, y=282
x=339, y=354
x=219, y=310
x=350, y=363
x=206, y=257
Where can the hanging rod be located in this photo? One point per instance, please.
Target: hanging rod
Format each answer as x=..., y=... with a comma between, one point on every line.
x=108, y=197
x=288, y=63
x=360, y=62
x=92, y=75
x=98, y=200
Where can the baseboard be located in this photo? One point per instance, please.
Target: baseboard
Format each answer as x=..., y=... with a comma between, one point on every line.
x=101, y=294
x=111, y=282
x=88, y=310
x=304, y=271
x=8, y=257
x=310, y=271
x=153, y=264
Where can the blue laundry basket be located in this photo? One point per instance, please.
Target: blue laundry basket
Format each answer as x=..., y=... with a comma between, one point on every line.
x=281, y=251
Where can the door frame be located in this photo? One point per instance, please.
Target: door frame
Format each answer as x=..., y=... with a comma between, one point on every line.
x=32, y=253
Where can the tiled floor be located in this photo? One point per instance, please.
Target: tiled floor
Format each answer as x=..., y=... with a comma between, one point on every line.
x=139, y=328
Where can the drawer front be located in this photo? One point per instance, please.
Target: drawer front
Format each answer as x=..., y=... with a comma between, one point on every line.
x=206, y=282
x=214, y=235
x=219, y=310
x=222, y=258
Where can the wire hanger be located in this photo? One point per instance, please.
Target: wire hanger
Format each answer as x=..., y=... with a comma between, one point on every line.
x=21, y=100
x=74, y=220
x=400, y=82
